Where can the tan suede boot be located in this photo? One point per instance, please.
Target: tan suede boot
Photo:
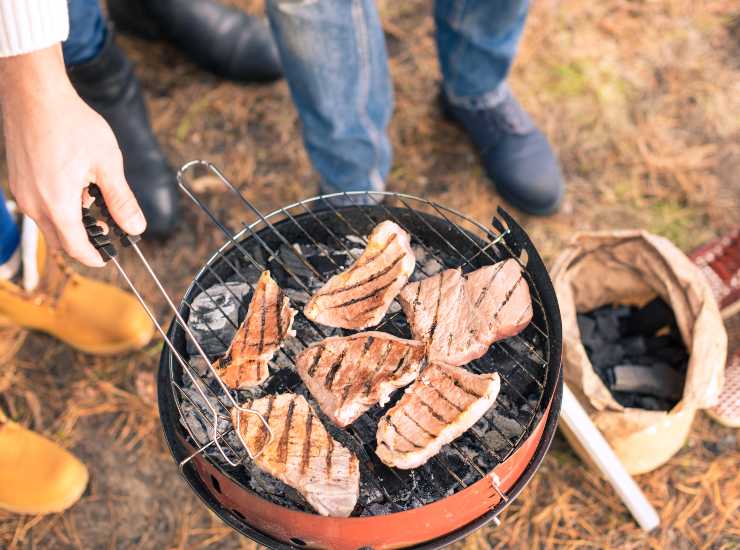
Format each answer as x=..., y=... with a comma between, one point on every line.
x=88, y=315
x=37, y=476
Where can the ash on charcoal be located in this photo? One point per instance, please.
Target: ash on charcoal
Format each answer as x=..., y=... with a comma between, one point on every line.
x=297, y=297
x=431, y=267
x=214, y=317
x=291, y=259
x=356, y=240
x=637, y=352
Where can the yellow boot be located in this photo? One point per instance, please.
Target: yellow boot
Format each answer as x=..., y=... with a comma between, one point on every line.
x=88, y=315
x=37, y=476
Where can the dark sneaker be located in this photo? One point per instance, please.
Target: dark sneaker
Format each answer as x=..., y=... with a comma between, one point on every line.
x=516, y=155
x=221, y=39
x=107, y=83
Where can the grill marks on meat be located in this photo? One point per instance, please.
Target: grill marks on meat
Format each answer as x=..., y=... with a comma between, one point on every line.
x=435, y=410
x=461, y=316
x=360, y=296
x=501, y=303
x=268, y=322
x=302, y=454
x=348, y=375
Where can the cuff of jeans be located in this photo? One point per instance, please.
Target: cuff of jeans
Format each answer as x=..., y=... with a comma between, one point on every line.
x=487, y=100
x=30, y=25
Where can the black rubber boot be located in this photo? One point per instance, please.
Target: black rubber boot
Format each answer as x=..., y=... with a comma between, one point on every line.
x=221, y=39
x=107, y=83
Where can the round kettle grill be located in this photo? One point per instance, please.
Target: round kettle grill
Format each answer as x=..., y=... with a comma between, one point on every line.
x=462, y=488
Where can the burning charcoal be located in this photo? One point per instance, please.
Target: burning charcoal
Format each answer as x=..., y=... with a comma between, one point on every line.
x=507, y=426
x=658, y=381
x=357, y=240
x=431, y=267
x=292, y=262
x=370, y=493
x=199, y=364
x=587, y=328
x=297, y=297
x=214, y=317
x=323, y=264
x=649, y=319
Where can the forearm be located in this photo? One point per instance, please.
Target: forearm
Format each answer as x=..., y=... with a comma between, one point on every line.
x=31, y=78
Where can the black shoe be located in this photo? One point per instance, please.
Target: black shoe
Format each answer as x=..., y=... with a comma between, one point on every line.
x=516, y=155
x=107, y=83
x=221, y=39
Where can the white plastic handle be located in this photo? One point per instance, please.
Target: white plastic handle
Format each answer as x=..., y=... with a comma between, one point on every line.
x=588, y=435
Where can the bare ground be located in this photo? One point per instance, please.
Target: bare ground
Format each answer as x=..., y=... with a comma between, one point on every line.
x=641, y=101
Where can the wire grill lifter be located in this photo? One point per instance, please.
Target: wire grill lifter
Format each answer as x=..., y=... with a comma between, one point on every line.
x=101, y=240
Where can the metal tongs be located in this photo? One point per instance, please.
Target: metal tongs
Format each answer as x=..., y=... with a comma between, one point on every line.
x=100, y=237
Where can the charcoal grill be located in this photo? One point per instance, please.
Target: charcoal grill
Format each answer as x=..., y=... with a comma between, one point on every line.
x=465, y=486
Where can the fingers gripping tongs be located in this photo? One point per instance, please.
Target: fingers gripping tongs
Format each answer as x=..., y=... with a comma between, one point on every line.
x=101, y=229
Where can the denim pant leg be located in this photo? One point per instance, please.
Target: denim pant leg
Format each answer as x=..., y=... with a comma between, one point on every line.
x=87, y=32
x=9, y=234
x=335, y=62
x=476, y=43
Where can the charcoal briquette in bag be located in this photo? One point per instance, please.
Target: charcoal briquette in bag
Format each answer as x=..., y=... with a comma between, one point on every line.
x=607, y=325
x=587, y=327
x=634, y=346
x=650, y=318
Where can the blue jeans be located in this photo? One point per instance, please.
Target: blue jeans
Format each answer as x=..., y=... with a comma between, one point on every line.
x=335, y=61
x=9, y=234
x=87, y=32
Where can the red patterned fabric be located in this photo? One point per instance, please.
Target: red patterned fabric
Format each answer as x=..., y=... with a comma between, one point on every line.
x=720, y=261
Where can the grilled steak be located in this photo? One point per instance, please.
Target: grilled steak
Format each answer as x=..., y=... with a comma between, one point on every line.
x=348, y=375
x=360, y=296
x=436, y=409
x=499, y=296
x=302, y=454
x=461, y=316
x=268, y=322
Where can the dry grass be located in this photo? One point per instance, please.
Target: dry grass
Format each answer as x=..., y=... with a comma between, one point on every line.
x=641, y=100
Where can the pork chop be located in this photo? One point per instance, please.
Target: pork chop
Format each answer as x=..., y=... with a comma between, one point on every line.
x=268, y=322
x=360, y=296
x=436, y=409
x=461, y=316
x=348, y=375
x=301, y=453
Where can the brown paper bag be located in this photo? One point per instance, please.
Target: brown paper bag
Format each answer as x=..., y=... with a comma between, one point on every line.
x=632, y=268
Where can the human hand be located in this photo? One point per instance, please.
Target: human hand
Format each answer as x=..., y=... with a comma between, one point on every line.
x=56, y=145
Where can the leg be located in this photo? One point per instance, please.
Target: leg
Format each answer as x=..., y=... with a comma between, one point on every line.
x=476, y=42
x=87, y=32
x=9, y=234
x=334, y=59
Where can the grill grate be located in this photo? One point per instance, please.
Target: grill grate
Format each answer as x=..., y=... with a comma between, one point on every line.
x=442, y=239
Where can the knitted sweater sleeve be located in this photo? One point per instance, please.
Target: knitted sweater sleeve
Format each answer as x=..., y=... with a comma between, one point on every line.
x=30, y=25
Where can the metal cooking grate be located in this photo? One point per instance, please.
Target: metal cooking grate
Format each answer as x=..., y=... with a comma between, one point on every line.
x=442, y=239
